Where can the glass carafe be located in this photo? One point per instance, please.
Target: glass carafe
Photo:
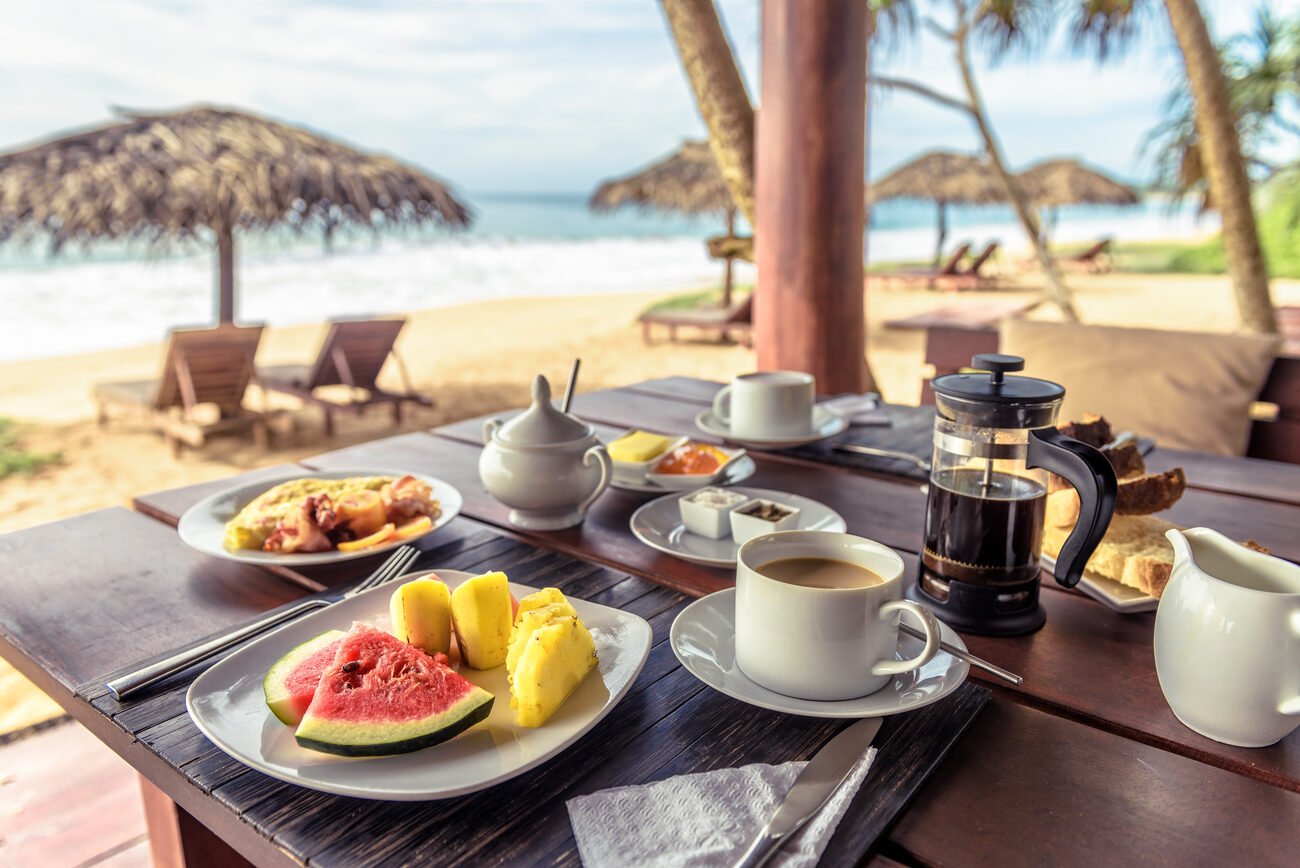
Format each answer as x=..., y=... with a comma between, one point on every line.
x=995, y=443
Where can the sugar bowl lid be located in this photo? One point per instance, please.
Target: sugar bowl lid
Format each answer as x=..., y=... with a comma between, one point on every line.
x=542, y=423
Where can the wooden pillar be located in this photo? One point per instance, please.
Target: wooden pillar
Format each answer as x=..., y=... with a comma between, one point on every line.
x=225, y=275
x=727, y=275
x=811, y=160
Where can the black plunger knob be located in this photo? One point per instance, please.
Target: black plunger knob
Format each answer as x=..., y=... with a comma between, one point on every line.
x=997, y=365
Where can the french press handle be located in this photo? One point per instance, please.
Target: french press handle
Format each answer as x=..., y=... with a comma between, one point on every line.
x=1092, y=476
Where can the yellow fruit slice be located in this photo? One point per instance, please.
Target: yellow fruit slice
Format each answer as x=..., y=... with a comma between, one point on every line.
x=481, y=617
x=554, y=662
x=529, y=621
x=421, y=615
x=379, y=536
x=413, y=528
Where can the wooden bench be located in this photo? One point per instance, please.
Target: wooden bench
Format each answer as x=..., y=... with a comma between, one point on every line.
x=949, y=349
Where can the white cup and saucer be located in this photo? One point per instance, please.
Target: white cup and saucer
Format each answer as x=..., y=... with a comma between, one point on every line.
x=770, y=410
x=811, y=628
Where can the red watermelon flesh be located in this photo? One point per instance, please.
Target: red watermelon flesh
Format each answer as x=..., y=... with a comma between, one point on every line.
x=381, y=696
x=291, y=682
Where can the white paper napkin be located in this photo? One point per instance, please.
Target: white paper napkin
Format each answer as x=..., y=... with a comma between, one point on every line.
x=705, y=820
x=861, y=409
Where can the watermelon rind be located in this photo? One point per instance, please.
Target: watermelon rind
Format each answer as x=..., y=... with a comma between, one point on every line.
x=278, y=697
x=359, y=739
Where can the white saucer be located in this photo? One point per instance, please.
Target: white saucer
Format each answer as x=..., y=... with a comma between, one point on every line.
x=704, y=639
x=737, y=471
x=659, y=525
x=1116, y=596
x=825, y=424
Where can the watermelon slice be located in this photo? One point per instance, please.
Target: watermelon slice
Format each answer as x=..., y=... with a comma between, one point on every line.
x=381, y=696
x=291, y=682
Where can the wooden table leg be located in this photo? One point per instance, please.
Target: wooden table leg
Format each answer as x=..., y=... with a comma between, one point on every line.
x=177, y=840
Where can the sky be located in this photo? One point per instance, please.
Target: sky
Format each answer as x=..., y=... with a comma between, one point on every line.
x=533, y=95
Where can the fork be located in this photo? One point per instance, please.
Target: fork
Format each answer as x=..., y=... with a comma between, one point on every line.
x=141, y=679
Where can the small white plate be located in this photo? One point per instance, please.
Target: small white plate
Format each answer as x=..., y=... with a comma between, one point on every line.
x=203, y=526
x=704, y=639
x=825, y=424
x=1119, y=597
x=659, y=525
x=227, y=704
x=735, y=471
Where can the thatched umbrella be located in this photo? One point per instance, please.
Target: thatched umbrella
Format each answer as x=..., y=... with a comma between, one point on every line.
x=945, y=178
x=1053, y=183
x=686, y=181
x=160, y=176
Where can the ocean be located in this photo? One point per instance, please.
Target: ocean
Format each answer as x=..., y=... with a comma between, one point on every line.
x=115, y=295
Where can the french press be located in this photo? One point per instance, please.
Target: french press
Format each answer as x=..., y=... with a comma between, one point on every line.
x=995, y=442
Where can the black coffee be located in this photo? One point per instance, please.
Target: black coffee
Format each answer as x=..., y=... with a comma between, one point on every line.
x=984, y=534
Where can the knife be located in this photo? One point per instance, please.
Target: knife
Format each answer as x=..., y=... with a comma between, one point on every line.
x=815, y=785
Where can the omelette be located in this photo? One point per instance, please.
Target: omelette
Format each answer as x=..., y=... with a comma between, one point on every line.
x=255, y=522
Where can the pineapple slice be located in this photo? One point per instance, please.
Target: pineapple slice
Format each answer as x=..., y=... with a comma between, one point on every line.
x=555, y=660
x=537, y=599
x=421, y=614
x=481, y=616
x=527, y=622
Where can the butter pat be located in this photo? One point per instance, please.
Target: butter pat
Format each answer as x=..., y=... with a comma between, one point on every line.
x=638, y=446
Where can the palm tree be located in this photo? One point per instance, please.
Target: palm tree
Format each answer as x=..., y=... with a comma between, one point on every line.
x=719, y=93
x=1224, y=165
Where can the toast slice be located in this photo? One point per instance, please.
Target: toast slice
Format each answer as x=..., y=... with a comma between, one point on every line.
x=1137, y=495
x=1134, y=552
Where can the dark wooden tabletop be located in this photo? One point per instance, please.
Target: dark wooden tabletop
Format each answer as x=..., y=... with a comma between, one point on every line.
x=1082, y=764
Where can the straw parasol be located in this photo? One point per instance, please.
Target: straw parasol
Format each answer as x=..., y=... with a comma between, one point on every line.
x=945, y=178
x=207, y=170
x=1053, y=183
x=686, y=181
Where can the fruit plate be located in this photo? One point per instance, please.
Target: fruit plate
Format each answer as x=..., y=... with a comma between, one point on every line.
x=1110, y=593
x=226, y=703
x=203, y=526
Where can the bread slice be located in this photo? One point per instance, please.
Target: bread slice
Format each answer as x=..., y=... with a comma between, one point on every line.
x=1134, y=552
x=1092, y=429
x=1126, y=458
x=1137, y=495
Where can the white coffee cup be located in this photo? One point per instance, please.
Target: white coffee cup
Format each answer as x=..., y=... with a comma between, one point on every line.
x=767, y=404
x=823, y=643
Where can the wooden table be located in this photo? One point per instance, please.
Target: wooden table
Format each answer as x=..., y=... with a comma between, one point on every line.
x=1082, y=764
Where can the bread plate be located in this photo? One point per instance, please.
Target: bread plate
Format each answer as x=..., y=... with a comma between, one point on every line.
x=1119, y=597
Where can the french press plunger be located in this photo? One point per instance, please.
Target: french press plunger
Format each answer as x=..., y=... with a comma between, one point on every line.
x=995, y=441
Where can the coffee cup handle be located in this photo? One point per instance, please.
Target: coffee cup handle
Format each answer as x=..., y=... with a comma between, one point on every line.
x=722, y=405
x=929, y=624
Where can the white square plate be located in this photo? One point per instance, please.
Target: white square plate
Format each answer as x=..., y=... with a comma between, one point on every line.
x=228, y=705
x=1119, y=597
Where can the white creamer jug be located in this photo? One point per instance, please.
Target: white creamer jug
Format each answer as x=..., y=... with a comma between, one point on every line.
x=1227, y=640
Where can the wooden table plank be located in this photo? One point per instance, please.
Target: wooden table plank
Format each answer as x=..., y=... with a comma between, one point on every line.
x=135, y=591
x=1020, y=787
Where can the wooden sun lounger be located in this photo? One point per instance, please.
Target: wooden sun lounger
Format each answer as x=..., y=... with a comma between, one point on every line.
x=970, y=278
x=1094, y=260
x=735, y=322
x=951, y=266
x=203, y=366
x=352, y=355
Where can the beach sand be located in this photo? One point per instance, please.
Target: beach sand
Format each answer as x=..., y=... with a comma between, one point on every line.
x=475, y=359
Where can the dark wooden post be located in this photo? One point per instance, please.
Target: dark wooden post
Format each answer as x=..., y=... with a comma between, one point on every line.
x=225, y=275
x=811, y=158
x=943, y=233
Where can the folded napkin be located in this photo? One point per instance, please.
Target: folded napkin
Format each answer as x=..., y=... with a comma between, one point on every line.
x=706, y=819
x=864, y=409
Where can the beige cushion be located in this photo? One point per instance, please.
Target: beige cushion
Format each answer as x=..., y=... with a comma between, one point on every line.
x=1187, y=390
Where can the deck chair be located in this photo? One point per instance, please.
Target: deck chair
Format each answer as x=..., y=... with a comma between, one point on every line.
x=202, y=367
x=1094, y=260
x=970, y=277
x=928, y=275
x=735, y=322
x=352, y=355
